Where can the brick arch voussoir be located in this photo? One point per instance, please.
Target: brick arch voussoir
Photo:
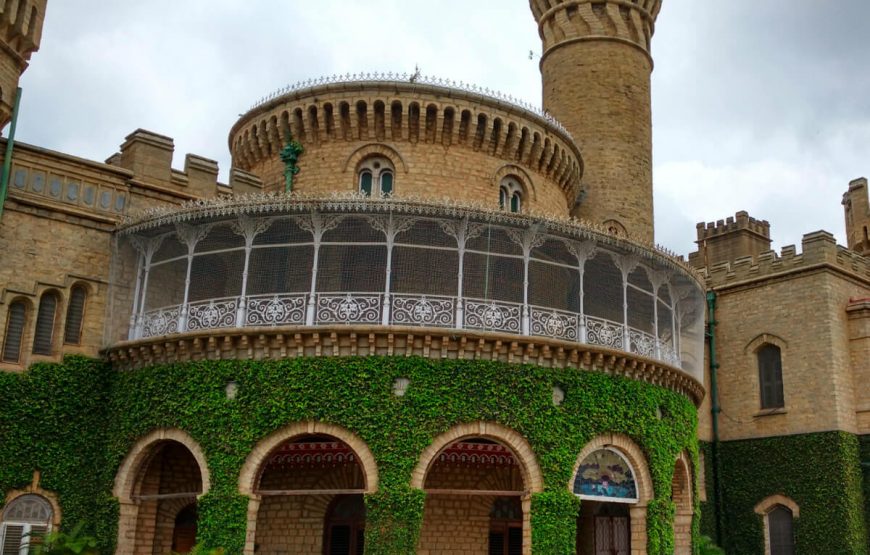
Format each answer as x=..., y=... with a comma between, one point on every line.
x=533, y=480
x=523, y=175
x=375, y=149
x=257, y=457
x=632, y=453
x=770, y=502
x=683, y=476
x=142, y=452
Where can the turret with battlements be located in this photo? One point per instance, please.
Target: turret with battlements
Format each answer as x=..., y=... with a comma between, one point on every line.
x=726, y=240
x=856, y=203
x=596, y=67
x=20, y=33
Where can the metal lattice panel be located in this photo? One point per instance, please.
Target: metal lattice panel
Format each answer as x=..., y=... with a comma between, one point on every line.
x=328, y=267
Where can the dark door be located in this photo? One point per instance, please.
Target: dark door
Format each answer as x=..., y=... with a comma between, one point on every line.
x=344, y=528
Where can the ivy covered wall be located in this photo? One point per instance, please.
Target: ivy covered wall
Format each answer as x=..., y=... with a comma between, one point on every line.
x=76, y=421
x=820, y=472
x=865, y=466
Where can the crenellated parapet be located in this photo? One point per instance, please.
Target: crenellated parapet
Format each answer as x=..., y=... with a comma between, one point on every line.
x=20, y=34
x=856, y=202
x=430, y=132
x=725, y=240
x=819, y=249
x=564, y=22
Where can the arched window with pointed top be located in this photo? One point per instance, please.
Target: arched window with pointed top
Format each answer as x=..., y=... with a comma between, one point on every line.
x=376, y=176
x=43, y=336
x=75, y=313
x=16, y=323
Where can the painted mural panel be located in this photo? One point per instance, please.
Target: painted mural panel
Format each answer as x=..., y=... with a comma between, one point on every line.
x=605, y=476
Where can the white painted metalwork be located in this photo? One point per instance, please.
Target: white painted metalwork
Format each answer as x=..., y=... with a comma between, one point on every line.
x=576, y=302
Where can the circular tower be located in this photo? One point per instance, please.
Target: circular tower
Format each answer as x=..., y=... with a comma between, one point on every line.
x=595, y=70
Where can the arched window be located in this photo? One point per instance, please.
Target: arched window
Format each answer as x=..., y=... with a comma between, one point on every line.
x=74, y=316
x=376, y=175
x=770, y=377
x=16, y=320
x=43, y=338
x=25, y=521
x=780, y=529
x=510, y=195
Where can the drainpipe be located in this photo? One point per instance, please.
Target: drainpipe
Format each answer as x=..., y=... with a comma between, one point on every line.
x=715, y=409
x=7, y=158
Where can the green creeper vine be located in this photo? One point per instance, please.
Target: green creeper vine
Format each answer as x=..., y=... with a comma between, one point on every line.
x=76, y=421
x=819, y=472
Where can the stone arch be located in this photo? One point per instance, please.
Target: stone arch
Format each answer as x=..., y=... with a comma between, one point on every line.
x=141, y=453
x=631, y=452
x=765, y=339
x=523, y=176
x=476, y=509
x=770, y=502
x=35, y=489
x=374, y=149
x=766, y=506
x=635, y=457
x=532, y=477
x=250, y=470
x=681, y=494
x=148, y=521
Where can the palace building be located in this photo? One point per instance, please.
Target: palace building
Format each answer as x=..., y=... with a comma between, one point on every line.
x=422, y=318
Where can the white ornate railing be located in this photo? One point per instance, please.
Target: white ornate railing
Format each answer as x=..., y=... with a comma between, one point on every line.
x=401, y=310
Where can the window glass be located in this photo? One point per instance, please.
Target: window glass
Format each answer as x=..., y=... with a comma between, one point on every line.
x=386, y=182
x=74, y=316
x=44, y=334
x=15, y=321
x=365, y=183
x=515, y=202
x=770, y=377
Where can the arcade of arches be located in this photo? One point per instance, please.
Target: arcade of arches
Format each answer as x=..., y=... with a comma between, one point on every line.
x=307, y=491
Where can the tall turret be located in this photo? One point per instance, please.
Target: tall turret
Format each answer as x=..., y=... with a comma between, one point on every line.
x=596, y=68
x=20, y=33
x=856, y=202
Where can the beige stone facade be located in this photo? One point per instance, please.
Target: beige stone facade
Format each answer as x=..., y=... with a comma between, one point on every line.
x=811, y=305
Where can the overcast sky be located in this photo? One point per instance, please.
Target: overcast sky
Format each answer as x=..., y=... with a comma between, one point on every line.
x=762, y=105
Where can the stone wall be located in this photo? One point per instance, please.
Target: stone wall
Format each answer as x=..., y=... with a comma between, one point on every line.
x=442, y=142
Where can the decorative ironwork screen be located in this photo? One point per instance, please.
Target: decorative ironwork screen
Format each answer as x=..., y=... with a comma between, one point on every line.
x=458, y=270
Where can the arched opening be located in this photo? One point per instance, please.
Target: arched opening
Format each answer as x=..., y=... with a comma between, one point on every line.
x=681, y=495
x=606, y=485
x=159, y=493
x=780, y=527
x=24, y=523
x=311, y=488
x=475, y=492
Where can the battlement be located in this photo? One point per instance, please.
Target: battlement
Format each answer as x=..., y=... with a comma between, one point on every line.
x=21, y=25
x=856, y=204
x=818, y=248
x=730, y=239
x=566, y=21
x=148, y=156
x=741, y=221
